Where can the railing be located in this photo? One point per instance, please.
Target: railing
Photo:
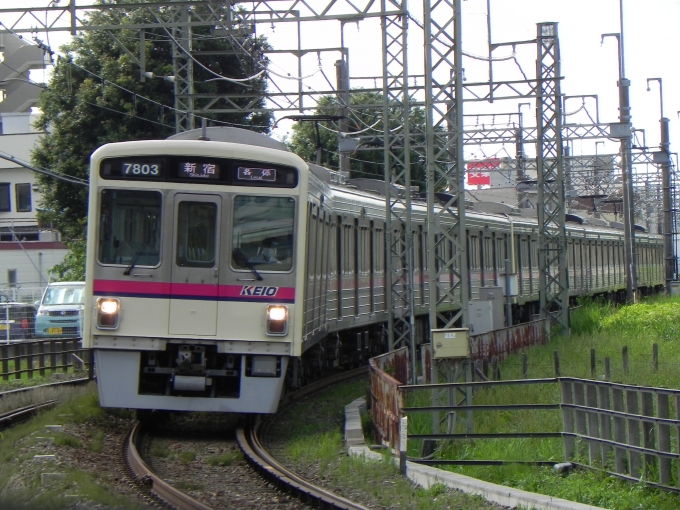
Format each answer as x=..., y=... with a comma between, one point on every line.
x=41, y=358
x=388, y=373
x=495, y=346
x=624, y=429
x=26, y=293
x=632, y=432
x=17, y=322
x=495, y=434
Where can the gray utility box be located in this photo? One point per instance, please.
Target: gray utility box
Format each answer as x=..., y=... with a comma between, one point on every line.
x=481, y=317
x=450, y=343
x=496, y=295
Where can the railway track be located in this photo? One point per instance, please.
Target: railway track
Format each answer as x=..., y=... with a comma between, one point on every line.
x=19, y=414
x=275, y=483
x=15, y=416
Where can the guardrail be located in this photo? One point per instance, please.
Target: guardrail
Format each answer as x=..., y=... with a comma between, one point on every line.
x=40, y=358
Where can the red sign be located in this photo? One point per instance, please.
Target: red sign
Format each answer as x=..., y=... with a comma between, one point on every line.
x=484, y=164
x=480, y=177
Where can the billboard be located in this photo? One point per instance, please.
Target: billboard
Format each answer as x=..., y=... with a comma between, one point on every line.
x=475, y=174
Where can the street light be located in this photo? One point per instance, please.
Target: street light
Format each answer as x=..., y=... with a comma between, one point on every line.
x=663, y=158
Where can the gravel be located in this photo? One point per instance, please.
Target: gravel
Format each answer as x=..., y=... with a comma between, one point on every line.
x=197, y=453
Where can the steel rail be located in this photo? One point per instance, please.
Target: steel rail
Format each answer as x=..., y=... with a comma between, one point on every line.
x=82, y=380
x=22, y=413
x=163, y=490
x=249, y=441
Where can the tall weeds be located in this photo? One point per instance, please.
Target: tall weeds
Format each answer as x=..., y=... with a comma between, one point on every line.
x=597, y=326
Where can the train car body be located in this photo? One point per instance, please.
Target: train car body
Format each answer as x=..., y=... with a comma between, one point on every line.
x=213, y=265
x=198, y=319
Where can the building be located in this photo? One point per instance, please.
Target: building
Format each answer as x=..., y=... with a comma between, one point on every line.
x=27, y=250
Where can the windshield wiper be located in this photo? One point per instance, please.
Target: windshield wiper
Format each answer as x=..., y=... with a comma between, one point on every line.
x=243, y=260
x=134, y=260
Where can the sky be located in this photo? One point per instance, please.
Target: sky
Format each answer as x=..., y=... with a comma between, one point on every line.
x=589, y=66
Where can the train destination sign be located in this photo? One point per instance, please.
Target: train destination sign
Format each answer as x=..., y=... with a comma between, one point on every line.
x=207, y=170
x=199, y=170
x=256, y=174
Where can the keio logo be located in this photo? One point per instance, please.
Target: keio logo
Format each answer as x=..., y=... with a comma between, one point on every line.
x=251, y=290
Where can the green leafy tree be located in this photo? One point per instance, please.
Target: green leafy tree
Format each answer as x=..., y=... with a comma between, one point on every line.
x=365, y=114
x=95, y=96
x=72, y=268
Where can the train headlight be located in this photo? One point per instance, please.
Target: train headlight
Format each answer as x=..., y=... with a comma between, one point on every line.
x=108, y=313
x=277, y=320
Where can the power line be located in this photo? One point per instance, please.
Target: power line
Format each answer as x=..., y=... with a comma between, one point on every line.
x=50, y=173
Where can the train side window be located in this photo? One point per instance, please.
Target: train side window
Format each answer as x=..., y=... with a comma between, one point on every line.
x=129, y=227
x=262, y=233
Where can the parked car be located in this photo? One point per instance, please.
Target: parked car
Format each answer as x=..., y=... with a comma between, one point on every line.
x=60, y=313
x=16, y=320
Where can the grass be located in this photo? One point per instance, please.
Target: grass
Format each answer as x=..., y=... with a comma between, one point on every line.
x=21, y=486
x=312, y=432
x=598, y=326
x=225, y=459
x=28, y=378
x=160, y=450
x=186, y=486
x=186, y=457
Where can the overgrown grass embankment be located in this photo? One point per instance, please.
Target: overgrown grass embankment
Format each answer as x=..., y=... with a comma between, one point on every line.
x=607, y=330
x=21, y=486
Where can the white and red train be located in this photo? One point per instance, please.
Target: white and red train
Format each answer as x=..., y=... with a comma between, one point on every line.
x=219, y=268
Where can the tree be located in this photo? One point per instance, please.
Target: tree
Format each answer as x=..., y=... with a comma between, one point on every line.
x=365, y=114
x=95, y=96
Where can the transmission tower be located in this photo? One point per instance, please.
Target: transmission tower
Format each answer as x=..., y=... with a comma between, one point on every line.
x=552, y=239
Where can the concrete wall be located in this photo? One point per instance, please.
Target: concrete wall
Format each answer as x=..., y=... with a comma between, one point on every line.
x=31, y=261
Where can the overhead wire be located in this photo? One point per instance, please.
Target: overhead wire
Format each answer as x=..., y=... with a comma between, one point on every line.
x=135, y=95
x=237, y=81
x=57, y=175
x=104, y=81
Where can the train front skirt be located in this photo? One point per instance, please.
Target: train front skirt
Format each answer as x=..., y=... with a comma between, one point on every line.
x=121, y=384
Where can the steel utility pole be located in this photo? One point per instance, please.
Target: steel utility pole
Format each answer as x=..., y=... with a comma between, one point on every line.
x=664, y=159
x=627, y=167
x=623, y=132
x=552, y=241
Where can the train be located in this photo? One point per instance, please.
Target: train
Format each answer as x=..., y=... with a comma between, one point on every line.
x=223, y=269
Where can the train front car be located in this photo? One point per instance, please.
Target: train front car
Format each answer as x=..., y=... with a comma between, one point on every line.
x=195, y=250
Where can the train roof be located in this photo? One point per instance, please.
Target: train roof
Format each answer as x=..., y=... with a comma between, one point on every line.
x=232, y=135
x=373, y=187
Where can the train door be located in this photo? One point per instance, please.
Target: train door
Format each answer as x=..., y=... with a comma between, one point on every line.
x=194, y=279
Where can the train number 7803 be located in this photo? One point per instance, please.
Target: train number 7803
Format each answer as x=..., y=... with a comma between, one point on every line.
x=140, y=169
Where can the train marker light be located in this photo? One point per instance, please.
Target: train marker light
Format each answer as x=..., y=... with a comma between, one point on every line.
x=277, y=320
x=108, y=313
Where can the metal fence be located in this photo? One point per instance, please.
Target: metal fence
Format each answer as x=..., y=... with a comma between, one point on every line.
x=632, y=432
x=388, y=373
x=17, y=321
x=24, y=294
x=494, y=346
x=624, y=429
x=39, y=358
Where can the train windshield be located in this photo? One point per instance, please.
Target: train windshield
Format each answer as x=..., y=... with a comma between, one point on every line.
x=129, y=230
x=262, y=234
